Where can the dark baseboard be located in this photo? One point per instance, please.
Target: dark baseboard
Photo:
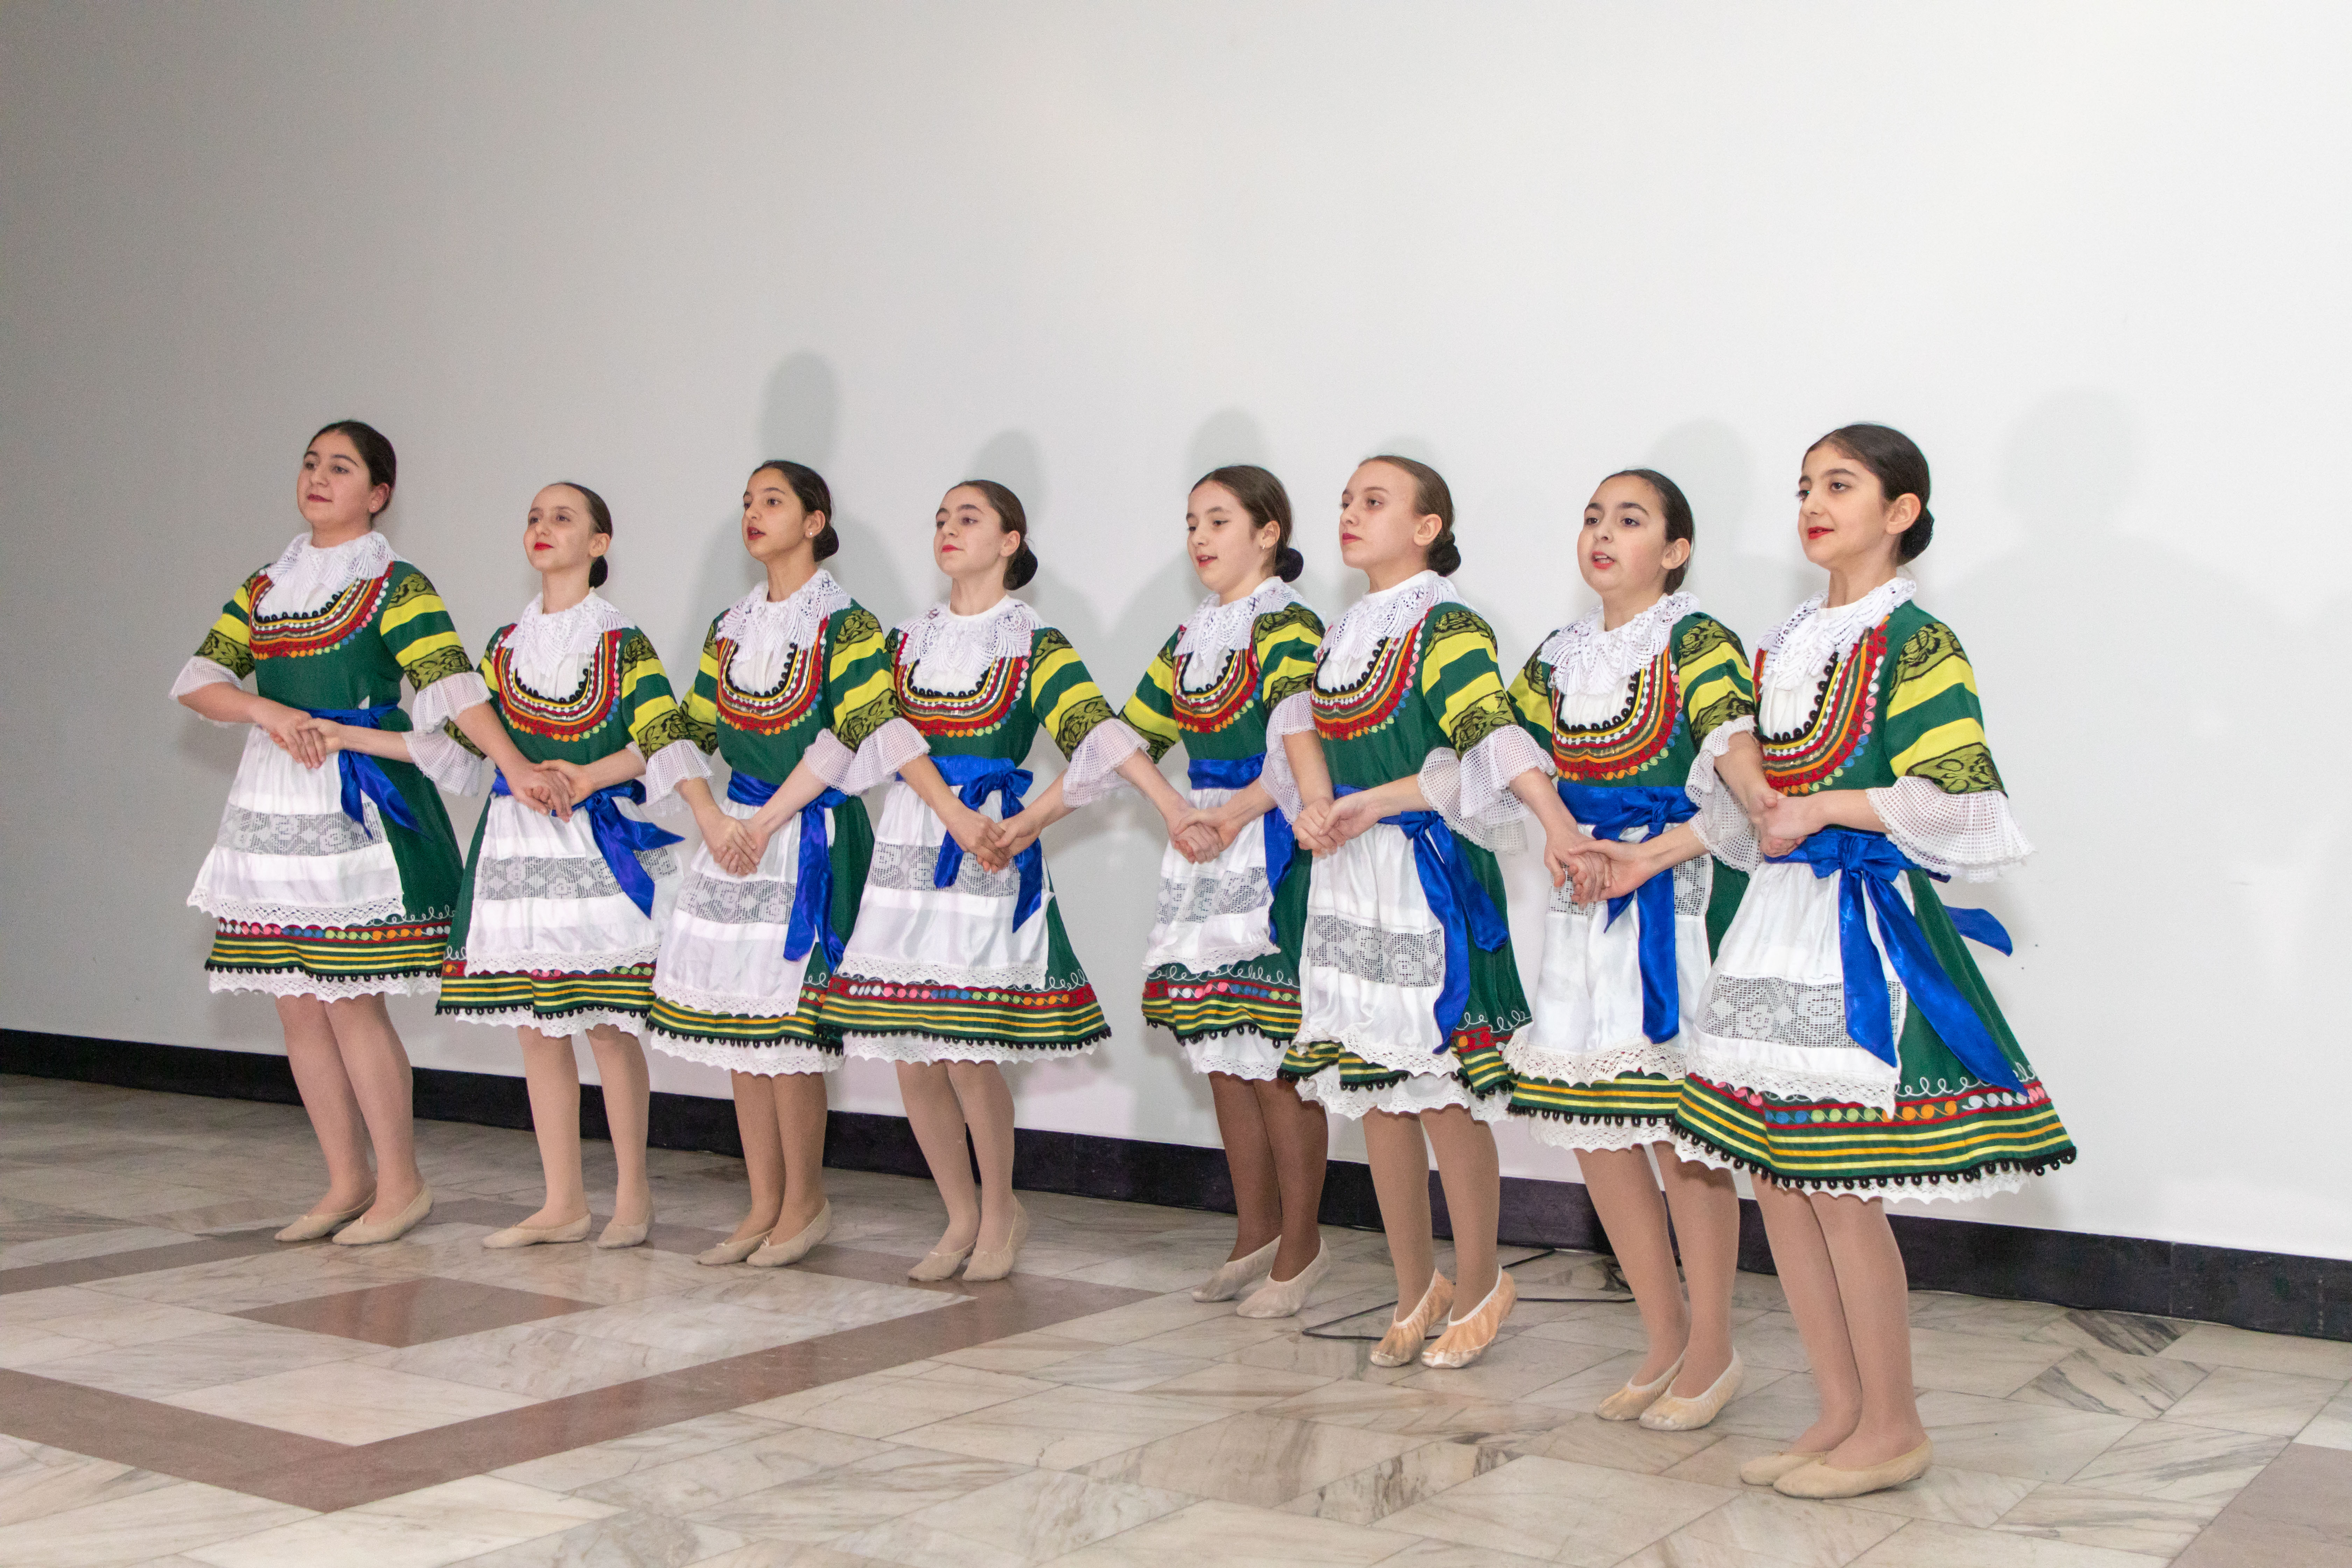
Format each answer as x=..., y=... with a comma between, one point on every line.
x=2271, y=1292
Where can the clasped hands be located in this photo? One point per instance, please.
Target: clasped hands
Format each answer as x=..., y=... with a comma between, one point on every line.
x=554, y=788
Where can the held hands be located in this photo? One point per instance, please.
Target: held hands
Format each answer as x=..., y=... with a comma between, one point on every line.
x=1784, y=822
x=1200, y=835
x=1012, y=837
x=305, y=738
x=1313, y=828
x=738, y=844
x=980, y=837
x=546, y=788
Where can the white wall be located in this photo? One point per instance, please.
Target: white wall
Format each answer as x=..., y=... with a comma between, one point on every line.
x=2091, y=257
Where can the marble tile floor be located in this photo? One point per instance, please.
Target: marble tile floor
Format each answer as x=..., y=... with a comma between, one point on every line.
x=175, y=1389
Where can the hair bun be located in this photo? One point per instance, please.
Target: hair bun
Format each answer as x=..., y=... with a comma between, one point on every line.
x=1445, y=555
x=1022, y=567
x=1289, y=563
x=597, y=572
x=1915, y=538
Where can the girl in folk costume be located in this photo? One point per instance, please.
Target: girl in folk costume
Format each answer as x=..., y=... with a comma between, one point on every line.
x=959, y=962
x=794, y=693
x=1647, y=709
x=556, y=928
x=332, y=887
x=1847, y=1050
x=1408, y=988
x=1222, y=966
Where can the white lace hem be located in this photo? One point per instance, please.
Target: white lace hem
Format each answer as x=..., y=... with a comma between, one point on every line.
x=1591, y=1137
x=200, y=672
x=1926, y=1190
x=569, y=1024
x=442, y=702
x=1969, y=838
x=668, y=768
x=1294, y=715
x=448, y=764
x=1093, y=772
x=1248, y=1056
x=1362, y=1040
x=246, y=912
x=727, y=1004
x=1722, y=823
x=881, y=754
x=1419, y=1093
x=781, y=1058
x=295, y=983
x=1442, y=785
x=517, y=961
x=1585, y=1068
x=923, y=972
x=926, y=1049
x=1207, y=961
x=1763, y=1067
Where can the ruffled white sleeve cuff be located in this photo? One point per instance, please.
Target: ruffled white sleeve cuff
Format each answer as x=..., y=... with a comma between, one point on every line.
x=446, y=697
x=1722, y=823
x=447, y=763
x=829, y=760
x=1967, y=837
x=200, y=672
x=1444, y=779
x=890, y=747
x=1294, y=715
x=1093, y=770
x=668, y=768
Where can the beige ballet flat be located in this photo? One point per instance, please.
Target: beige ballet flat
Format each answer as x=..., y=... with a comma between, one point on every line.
x=727, y=1252
x=311, y=1226
x=1766, y=1469
x=777, y=1254
x=1673, y=1413
x=1282, y=1298
x=998, y=1263
x=1401, y=1343
x=1628, y=1403
x=1823, y=1479
x=616, y=1235
x=363, y=1234
x=1231, y=1275
x=516, y=1236
x=1466, y=1339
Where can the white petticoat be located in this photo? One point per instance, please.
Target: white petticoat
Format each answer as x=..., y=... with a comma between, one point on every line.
x=1216, y=914
x=1246, y=1055
x=723, y=951
x=1368, y=977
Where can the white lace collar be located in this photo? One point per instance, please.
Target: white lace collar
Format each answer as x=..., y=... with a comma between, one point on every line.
x=949, y=653
x=551, y=651
x=1372, y=620
x=1213, y=632
x=1585, y=658
x=304, y=576
x=1804, y=644
x=761, y=626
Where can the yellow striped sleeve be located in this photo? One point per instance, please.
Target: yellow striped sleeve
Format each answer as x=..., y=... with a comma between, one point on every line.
x=1151, y=711
x=1946, y=674
x=1938, y=741
x=410, y=607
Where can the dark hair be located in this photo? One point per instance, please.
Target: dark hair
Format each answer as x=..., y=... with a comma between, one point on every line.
x=376, y=453
x=1263, y=497
x=814, y=495
x=601, y=516
x=1679, y=524
x=1429, y=496
x=1023, y=564
x=1901, y=469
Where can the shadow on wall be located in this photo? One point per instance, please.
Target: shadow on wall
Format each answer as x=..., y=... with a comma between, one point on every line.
x=1746, y=568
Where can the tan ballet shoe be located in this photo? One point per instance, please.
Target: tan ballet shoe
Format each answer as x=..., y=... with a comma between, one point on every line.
x=616, y=1235
x=1401, y=1343
x=777, y=1254
x=940, y=1263
x=1466, y=1339
x=363, y=1234
x=311, y=1226
x=1232, y=1275
x=727, y=1252
x=1673, y=1413
x=1766, y=1469
x=516, y=1236
x=1824, y=1479
x=996, y=1263
x=1282, y=1298
x=1628, y=1403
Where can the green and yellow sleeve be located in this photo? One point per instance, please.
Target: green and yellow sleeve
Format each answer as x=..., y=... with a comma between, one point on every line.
x=701, y=710
x=858, y=694
x=1530, y=699
x=648, y=707
x=1711, y=668
x=416, y=625
x=1068, y=703
x=1934, y=724
x=230, y=644
x=1286, y=640
x=1460, y=678
x=1151, y=711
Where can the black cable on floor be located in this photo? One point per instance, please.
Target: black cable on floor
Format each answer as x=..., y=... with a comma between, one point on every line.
x=1618, y=1292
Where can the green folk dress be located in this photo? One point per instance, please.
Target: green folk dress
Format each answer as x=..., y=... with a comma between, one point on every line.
x=1408, y=987
x=1221, y=968
x=1816, y=1060
x=547, y=933
x=317, y=887
x=978, y=968
x=746, y=961
x=1634, y=717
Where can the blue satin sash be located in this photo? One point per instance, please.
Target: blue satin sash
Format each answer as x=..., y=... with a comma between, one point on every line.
x=1867, y=864
x=1459, y=901
x=1608, y=810
x=813, y=878
x=1239, y=773
x=975, y=779
x=362, y=774
x=618, y=839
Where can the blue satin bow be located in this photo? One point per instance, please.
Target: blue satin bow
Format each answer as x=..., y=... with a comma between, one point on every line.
x=812, y=887
x=618, y=839
x=1239, y=773
x=1458, y=900
x=1867, y=864
x=362, y=774
x=975, y=779
x=1608, y=810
